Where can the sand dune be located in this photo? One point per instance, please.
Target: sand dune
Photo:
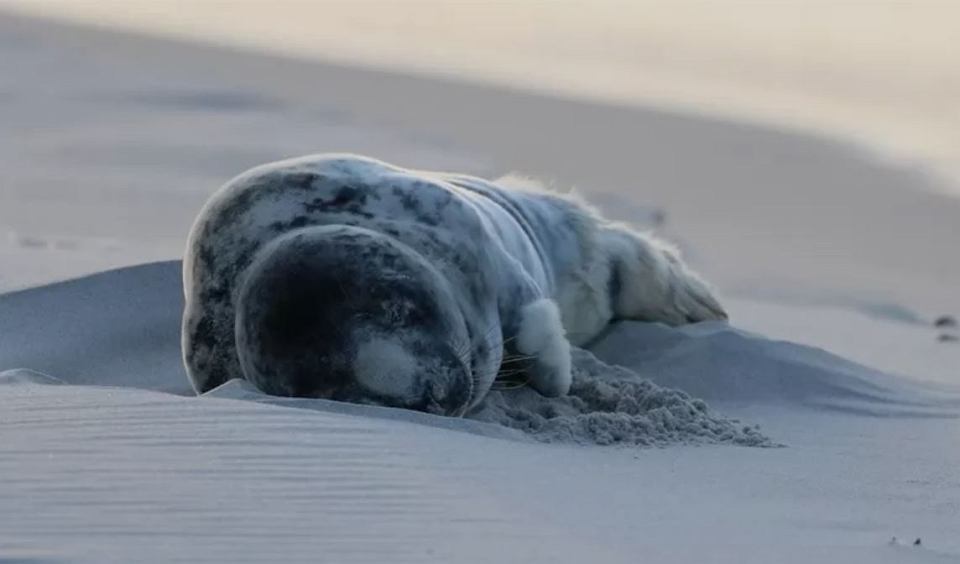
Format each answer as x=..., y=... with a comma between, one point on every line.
x=122, y=328
x=115, y=458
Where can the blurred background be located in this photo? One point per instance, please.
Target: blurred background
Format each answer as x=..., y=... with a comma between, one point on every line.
x=801, y=147
x=886, y=72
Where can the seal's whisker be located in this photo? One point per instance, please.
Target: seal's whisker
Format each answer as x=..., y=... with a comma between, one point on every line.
x=466, y=347
x=516, y=359
x=504, y=386
x=520, y=356
x=509, y=380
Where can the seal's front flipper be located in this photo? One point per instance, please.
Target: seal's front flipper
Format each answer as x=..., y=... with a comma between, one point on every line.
x=540, y=336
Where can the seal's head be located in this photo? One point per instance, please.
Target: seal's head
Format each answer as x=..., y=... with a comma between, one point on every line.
x=350, y=314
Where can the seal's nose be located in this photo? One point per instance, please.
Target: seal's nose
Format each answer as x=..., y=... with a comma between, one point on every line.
x=434, y=404
x=439, y=402
x=453, y=394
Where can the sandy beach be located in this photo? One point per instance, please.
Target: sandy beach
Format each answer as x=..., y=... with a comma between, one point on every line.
x=832, y=261
x=882, y=73
x=765, y=208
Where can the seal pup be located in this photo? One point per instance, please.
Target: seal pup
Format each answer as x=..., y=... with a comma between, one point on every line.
x=344, y=277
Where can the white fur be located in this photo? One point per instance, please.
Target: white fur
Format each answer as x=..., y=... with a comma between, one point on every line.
x=386, y=367
x=655, y=284
x=585, y=257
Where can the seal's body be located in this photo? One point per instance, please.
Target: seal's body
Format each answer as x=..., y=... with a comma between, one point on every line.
x=344, y=277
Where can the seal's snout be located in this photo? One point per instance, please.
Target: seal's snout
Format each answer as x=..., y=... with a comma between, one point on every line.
x=349, y=314
x=388, y=370
x=451, y=390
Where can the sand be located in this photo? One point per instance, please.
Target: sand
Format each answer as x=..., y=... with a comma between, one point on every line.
x=108, y=457
x=833, y=265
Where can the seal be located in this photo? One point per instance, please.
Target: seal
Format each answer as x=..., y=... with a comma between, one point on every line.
x=344, y=277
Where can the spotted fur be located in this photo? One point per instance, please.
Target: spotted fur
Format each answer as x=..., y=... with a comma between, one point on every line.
x=345, y=277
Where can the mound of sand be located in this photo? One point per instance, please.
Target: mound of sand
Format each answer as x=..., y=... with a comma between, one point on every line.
x=121, y=328
x=613, y=405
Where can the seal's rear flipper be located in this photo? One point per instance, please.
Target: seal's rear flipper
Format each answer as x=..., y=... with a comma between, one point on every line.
x=650, y=282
